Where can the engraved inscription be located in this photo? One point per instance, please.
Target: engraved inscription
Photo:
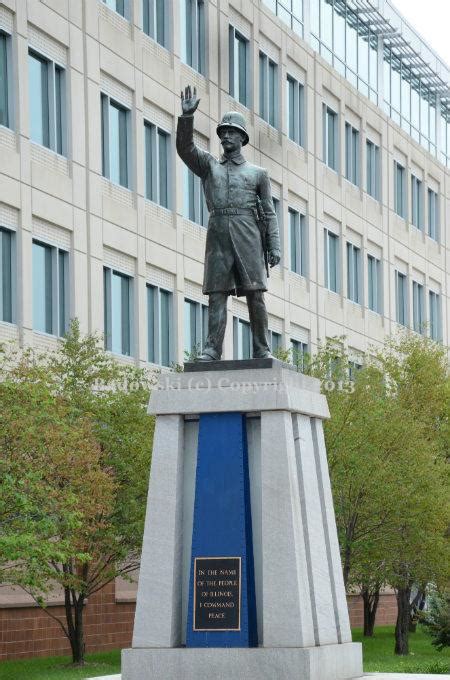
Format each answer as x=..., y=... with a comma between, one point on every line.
x=217, y=593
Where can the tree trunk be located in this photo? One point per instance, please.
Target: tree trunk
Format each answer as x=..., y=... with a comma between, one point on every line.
x=370, y=598
x=402, y=626
x=78, y=644
x=416, y=607
x=346, y=565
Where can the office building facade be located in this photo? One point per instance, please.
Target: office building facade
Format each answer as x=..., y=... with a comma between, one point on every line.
x=346, y=107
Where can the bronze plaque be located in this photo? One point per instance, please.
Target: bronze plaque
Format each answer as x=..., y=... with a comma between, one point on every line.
x=217, y=593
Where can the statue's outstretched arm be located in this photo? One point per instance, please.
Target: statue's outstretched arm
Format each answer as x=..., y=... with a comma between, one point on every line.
x=195, y=158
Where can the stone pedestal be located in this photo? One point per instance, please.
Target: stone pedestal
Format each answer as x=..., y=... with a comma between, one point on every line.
x=303, y=626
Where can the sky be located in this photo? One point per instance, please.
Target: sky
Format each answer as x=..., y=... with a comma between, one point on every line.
x=430, y=18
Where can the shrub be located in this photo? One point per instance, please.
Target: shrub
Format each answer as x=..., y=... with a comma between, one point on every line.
x=437, y=620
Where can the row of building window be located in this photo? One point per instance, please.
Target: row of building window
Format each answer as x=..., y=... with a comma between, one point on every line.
x=375, y=287
x=418, y=318
x=51, y=295
x=417, y=212
x=330, y=145
x=341, y=35
x=48, y=127
x=51, y=307
x=337, y=31
x=373, y=170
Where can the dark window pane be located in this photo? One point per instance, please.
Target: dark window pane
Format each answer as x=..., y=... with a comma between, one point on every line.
x=149, y=164
x=160, y=22
x=163, y=178
x=59, y=76
x=165, y=302
x=42, y=288
x=201, y=36
x=151, y=302
x=123, y=148
x=126, y=316
x=272, y=93
x=39, y=111
x=6, y=275
x=4, y=117
x=63, y=311
x=262, y=85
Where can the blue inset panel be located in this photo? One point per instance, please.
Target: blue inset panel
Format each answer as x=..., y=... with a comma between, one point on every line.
x=222, y=609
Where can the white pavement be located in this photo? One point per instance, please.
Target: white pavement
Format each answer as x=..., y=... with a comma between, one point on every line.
x=378, y=676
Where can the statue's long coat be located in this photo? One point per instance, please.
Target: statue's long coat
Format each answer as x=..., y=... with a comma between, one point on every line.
x=234, y=258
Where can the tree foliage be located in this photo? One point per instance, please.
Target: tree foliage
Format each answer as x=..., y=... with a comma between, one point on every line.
x=437, y=619
x=387, y=443
x=77, y=440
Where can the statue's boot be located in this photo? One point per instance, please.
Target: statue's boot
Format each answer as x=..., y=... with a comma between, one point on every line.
x=217, y=321
x=208, y=354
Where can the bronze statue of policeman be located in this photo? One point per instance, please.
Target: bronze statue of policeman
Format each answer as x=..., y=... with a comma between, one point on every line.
x=242, y=237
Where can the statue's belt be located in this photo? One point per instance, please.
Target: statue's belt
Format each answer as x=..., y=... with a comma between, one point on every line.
x=217, y=212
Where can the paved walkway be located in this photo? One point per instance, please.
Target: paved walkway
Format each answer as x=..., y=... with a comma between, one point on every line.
x=378, y=676
x=403, y=676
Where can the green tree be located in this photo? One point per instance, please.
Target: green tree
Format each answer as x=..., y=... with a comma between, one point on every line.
x=103, y=470
x=356, y=438
x=31, y=509
x=418, y=386
x=386, y=441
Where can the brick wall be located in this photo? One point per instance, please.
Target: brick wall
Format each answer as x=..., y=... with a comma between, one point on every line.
x=386, y=612
x=28, y=631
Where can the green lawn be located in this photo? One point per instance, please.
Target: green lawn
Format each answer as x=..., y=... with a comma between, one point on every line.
x=56, y=667
x=378, y=656
x=378, y=653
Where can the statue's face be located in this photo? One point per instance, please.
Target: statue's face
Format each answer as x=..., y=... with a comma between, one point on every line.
x=231, y=139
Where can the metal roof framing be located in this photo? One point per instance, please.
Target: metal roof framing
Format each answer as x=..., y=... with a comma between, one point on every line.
x=392, y=37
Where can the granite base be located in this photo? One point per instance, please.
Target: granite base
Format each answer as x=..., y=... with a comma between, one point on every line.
x=327, y=662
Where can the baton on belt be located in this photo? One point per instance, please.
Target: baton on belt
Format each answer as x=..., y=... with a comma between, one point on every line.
x=262, y=224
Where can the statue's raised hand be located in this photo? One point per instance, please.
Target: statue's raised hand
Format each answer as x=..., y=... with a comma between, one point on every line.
x=189, y=101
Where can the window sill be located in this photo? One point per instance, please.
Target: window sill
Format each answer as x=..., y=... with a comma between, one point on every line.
x=44, y=334
x=114, y=12
x=244, y=106
x=156, y=43
x=434, y=240
x=328, y=167
x=162, y=207
x=191, y=226
x=161, y=367
x=57, y=155
x=116, y=184
x=296, y=143
x=117, y=355
x=298, y=277
x=194, y=70
x=352, y=184
x=269, y=125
